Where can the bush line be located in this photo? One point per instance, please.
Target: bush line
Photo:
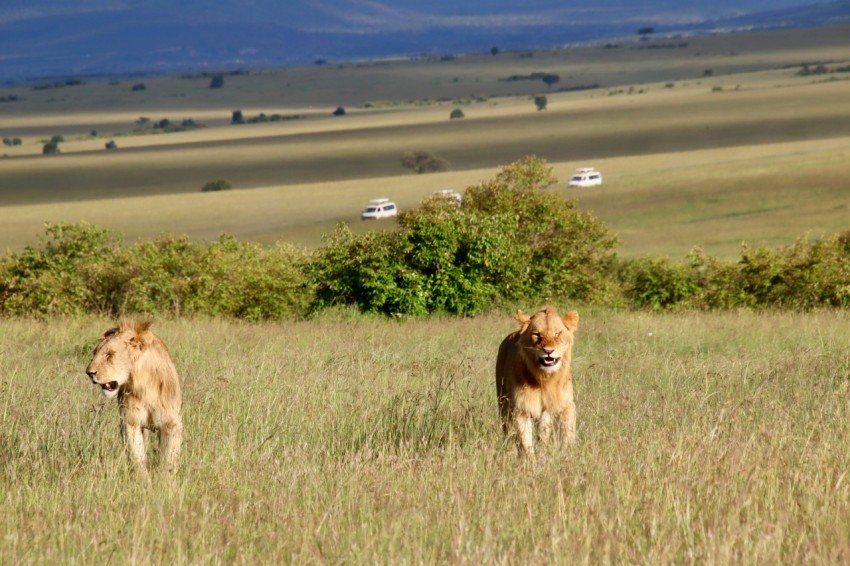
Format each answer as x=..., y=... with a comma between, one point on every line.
x=508, y=241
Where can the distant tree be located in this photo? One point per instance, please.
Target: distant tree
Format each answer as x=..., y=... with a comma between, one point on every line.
x=111, y=145
x=707, y=73
x=340, y=111
x=457, y=114
x=494, y=50
x=237, y=117
x=216, y=185
x=164, y=123
x=50, y=148
x=217, y=81
x=550, y=79
x=57, y=138
x=540, y=102
x=139, y=86
x=423, y=162
x=319, y=62
x=646, y=31
x=93, y=133
x=143, y=120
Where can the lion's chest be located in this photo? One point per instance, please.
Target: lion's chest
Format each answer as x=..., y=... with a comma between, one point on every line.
x=552, y=396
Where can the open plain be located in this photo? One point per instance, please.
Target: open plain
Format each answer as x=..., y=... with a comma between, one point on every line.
x=705, y=141
x=703, y=437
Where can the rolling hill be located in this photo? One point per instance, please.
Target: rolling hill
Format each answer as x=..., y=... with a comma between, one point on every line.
x=48, y=38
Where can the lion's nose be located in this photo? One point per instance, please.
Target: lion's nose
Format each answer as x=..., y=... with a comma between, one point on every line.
x=91, y=373
x=548, y=351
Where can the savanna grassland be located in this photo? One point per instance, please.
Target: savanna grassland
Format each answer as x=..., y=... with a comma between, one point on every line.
x=713, y=437
x=702, y=141
x=709, y=438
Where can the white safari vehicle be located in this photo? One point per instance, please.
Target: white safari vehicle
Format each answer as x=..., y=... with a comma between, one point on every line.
x=379, y=208
x=585, y=177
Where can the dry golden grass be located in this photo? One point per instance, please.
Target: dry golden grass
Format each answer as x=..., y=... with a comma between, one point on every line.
x=716, y=438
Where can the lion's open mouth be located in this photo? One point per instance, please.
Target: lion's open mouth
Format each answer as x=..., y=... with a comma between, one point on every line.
x=549, y=361
x=111, y=386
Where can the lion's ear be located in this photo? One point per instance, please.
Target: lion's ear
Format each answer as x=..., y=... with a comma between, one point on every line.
x=571, y=320
x=142, y=339
x=110, y=332
x=522, y=318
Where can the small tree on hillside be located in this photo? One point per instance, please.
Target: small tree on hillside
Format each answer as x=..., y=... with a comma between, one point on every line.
x=216, y=185
x=540, y=102
x=551, y=79
x=237, y=117
x=217, y=81
x=457, y=114
x=423, y=162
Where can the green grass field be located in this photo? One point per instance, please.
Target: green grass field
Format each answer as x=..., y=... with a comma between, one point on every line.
x=709, y=438
x=749, y=151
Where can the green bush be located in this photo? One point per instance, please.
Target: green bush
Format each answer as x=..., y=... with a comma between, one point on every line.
x=801, y=276
x=62, y=274
x=657, y=283
x=509, y=239
x=81, y=268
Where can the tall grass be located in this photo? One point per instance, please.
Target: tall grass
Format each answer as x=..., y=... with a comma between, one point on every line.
x=709, y=438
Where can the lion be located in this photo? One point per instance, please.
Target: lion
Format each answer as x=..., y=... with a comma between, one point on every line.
x=534, y=380
x=133, y=364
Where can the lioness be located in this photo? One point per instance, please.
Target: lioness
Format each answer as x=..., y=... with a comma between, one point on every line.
x=133, y=364
x=533, y=378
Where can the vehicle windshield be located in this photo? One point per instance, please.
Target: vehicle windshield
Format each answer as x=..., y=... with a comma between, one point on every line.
x=370, y=209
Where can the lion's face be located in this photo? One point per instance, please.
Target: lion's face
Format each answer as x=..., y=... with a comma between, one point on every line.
x=113, y=361
x=547, y=338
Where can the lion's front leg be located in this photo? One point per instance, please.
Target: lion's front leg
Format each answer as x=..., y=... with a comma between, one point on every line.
x=567, y=424
x=170, y=438
x=135, y=440
x=524, y=427
x=544, y=427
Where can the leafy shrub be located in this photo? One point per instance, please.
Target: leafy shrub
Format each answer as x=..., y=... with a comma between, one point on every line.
x=81, y=268
x=657, y=283
x=507, y=240
x=216, y=185
x=457, y=114
x=541, y=102
x=111, y=145
x=801, y=276
x=50, y=148
x=59, y=275
x=340, y=111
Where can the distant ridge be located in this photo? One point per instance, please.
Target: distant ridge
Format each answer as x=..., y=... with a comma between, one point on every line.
x=50, y=38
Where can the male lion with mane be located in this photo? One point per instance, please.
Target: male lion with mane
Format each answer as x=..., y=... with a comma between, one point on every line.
x=131, y=363
x=533, y=378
